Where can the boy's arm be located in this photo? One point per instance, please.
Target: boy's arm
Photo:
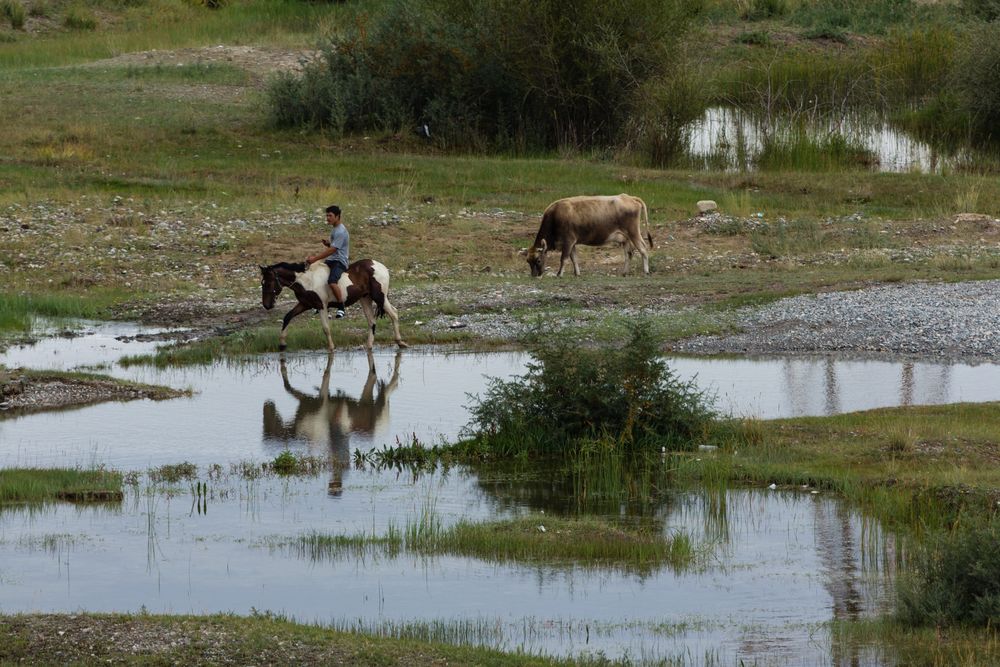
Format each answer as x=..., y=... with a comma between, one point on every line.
x=323, y=255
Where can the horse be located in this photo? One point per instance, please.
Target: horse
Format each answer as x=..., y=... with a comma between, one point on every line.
x=365, y=281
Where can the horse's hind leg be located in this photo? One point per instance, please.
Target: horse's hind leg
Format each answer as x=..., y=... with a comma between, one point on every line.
x=390, y=310
x=369, y=310
x=289, y=316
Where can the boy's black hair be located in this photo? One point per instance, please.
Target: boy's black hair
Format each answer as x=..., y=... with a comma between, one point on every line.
x=333, y=209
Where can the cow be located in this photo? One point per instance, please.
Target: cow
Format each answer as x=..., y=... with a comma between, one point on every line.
x=594, y=221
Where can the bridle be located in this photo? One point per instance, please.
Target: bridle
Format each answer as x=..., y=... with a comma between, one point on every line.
x=275, y=281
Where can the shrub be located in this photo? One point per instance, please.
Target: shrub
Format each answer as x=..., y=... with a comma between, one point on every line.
x=509, y=74
x=572, y=393
x=955, y=581
x=14, y=12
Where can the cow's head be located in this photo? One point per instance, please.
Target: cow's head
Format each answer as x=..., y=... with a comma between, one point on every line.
x=536, y=258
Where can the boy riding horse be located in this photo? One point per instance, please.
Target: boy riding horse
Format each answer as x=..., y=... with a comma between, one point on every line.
x=336, y=253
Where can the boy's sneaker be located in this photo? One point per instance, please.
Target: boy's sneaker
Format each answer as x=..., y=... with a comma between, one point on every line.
x=340, y=313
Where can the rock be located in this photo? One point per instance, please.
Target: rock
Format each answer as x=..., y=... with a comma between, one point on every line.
x=707, y=206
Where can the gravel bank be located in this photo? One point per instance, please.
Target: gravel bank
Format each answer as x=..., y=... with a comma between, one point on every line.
x=953, y=321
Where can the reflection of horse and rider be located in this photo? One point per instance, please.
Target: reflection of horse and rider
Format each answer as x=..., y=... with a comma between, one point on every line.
x=327, y=422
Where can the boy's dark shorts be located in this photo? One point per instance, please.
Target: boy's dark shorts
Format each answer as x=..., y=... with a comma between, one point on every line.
x=336, y=270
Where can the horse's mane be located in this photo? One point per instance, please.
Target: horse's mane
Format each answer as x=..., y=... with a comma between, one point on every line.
x=297, y=267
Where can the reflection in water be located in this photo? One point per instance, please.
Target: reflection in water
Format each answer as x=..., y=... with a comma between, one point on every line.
x=906, y=385
x=830, y=386
x=325, y=423
x=608, y=485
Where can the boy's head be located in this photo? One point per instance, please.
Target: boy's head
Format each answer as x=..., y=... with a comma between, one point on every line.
x=332, y=214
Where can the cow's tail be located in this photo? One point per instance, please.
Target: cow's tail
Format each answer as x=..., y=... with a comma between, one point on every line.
x=645, y=216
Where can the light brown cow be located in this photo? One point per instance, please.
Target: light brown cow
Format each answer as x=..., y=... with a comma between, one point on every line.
x=594, y=221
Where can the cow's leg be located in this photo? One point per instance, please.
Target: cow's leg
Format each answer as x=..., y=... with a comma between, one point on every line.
x=369, y=310
x=390, y=310
x=638, y=244
x=567, y=249
x=289, y=316
x=645, y=258
x=572, y=257
x=627, y=247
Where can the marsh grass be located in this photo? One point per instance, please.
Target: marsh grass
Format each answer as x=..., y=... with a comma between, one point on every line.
x=894, y=642
x=33, y=485
x=173, y=473
x=801, y=152
x=17, y=311
x=916, y=468
x=588, y=542
x=639, y=547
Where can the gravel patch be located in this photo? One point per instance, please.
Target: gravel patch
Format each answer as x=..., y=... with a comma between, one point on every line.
x=953, y=321
x=21, y=394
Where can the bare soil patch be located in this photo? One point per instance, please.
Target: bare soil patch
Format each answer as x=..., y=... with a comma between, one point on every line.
x=257, y=60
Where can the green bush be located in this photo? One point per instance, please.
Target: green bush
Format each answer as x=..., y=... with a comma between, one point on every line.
x=572, y=394
x=507, y=75
x=955, y=581
x=14, y=12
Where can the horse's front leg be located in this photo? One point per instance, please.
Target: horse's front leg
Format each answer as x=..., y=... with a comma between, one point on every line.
x=289, y=316
x=324, y=319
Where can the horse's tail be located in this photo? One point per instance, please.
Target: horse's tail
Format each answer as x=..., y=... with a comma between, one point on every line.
x=377, y=296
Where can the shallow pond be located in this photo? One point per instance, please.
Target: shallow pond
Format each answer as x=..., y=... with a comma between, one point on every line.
x=780, y=565
x=732, y=139
x=777, y=566
x=312, y=402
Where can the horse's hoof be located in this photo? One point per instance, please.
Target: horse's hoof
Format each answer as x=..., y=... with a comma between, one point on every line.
x=282, y=348
x=401, y=344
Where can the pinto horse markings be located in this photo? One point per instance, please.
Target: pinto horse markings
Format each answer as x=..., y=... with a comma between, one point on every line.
x=365, y=281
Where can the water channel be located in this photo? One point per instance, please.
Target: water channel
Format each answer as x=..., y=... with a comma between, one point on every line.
x=780, y=565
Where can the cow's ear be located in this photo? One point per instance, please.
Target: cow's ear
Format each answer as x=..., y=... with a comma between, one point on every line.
x=544, y=246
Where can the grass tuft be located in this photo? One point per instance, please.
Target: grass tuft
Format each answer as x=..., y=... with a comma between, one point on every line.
x=33, y=485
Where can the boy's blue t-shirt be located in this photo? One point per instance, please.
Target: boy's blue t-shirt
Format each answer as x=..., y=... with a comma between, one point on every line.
x=341, y=240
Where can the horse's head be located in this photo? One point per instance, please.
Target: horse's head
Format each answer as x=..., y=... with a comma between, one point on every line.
x=536, y=258
x=270, y=286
